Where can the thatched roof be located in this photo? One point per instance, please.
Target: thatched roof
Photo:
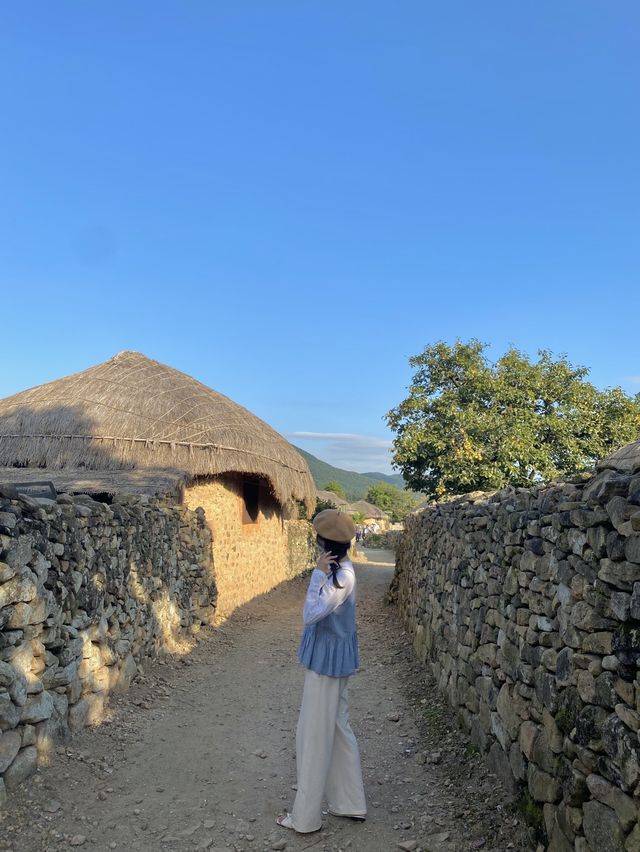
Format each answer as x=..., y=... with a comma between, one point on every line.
x=331, y=497
x=366, y=509
x=133, y=413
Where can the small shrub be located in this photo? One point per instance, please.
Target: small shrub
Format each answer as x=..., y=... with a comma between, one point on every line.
x=385, y=540
x=532, y=814
x=321, y=505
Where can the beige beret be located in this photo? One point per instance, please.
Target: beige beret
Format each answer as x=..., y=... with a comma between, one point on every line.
x=334, y=525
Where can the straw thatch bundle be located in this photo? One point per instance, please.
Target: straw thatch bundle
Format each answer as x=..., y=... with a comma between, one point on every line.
x=132, y=412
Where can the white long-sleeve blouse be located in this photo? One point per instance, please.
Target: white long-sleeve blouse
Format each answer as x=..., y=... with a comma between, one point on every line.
x=323, y=597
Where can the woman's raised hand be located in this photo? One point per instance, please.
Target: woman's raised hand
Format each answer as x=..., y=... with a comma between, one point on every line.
x=324, y=561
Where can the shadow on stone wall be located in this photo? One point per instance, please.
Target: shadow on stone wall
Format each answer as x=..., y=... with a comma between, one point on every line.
x=88, y=589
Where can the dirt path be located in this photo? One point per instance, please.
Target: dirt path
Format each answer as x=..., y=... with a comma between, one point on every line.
x=199, y=754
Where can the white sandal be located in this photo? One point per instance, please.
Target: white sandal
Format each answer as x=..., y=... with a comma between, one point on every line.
x=354, y=817
x=285, y=821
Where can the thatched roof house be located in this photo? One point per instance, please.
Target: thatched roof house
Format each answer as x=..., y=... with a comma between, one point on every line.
x=132, y=413
x=331, y=497
x=133, y=424
x=370, y=512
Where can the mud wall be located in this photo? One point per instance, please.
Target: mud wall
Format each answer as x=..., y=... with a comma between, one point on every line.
x=525, y=606
x=250, y=558
x=87, y=592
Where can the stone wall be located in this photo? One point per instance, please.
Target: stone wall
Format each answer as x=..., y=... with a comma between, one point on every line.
x=250, y=559
x=525, y=606
x=88, y=591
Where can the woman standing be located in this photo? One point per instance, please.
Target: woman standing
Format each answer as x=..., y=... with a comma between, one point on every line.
x=327, y=755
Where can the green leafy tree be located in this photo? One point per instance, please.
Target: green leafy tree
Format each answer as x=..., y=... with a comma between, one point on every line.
x=396, y=502
x=471, y=424
x=335, y=487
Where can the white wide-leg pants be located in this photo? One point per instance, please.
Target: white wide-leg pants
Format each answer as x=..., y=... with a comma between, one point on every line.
x=327, y=754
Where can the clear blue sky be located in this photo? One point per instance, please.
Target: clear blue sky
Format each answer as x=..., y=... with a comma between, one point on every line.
x=288, y=199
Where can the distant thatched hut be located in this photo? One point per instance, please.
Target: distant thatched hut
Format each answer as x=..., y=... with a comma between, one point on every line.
x=133, y=424
x=372, y=514
x=331, y=497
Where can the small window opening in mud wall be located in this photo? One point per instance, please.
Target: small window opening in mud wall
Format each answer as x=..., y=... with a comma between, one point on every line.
x=250, y=501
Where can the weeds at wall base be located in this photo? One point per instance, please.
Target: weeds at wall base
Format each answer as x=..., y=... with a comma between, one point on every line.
x=532, y=814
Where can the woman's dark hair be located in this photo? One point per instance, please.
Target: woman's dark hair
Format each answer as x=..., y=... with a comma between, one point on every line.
x=339, y=550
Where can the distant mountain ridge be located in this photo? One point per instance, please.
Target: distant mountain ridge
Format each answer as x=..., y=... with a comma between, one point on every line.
x=355, y=484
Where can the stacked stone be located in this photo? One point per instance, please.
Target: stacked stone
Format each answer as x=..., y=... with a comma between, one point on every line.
x=87, y=592
x=525, y=605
